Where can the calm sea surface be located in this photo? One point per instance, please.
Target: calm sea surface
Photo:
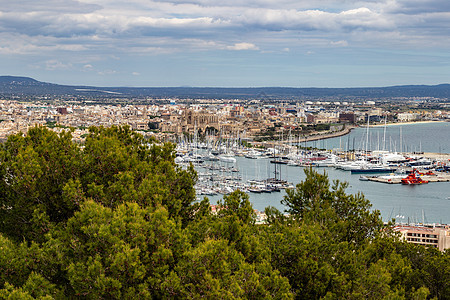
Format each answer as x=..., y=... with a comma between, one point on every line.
x=428, y=202
x=426, y=137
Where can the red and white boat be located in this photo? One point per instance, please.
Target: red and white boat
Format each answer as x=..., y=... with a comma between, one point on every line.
x=412, y=179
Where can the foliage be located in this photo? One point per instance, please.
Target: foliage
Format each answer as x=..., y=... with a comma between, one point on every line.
x=116, y=218
x=46, y=176
x=348, y=216
x=322, y=127
x=34, y=170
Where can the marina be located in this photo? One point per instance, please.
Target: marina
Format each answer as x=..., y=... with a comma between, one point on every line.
x=265, y=174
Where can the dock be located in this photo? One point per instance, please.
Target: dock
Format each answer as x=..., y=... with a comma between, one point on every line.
x=438, y=177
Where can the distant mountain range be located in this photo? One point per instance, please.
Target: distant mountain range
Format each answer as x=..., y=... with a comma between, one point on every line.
x=25, y=86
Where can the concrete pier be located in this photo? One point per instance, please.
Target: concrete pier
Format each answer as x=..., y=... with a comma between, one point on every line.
x=438, y=177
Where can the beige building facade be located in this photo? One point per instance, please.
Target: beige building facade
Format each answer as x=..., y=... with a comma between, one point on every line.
x=437, y=236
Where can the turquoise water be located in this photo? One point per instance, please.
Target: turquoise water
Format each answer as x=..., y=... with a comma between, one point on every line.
x=428, y=202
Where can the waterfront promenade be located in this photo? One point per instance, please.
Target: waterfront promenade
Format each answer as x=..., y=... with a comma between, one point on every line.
x=329, y=135
x=310, y=138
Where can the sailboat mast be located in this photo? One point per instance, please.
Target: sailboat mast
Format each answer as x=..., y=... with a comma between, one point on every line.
x=384, y=134
x=367, y=134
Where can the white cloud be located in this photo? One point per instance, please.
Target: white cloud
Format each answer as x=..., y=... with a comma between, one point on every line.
x=339, y=43
x=107, y=72
x=71, y=6
x=54, y=64
x=101, y=22
x=76, y=34
x=418, y=6
x=242, y=46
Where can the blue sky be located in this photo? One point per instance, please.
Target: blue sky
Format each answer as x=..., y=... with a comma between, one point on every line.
x=296, y=43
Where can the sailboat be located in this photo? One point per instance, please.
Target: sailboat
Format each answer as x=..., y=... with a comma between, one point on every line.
x=366, y=166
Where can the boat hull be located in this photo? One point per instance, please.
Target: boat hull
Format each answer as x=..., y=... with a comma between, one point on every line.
x=371, y=171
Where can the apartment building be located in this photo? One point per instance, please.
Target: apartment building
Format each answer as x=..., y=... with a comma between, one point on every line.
x=431, y=235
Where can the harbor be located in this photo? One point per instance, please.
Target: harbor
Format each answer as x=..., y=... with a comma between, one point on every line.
x=265, y=174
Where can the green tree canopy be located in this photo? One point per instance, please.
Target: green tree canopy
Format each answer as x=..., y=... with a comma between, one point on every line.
x=45, y=177
x=349, y=216
x=116, y=218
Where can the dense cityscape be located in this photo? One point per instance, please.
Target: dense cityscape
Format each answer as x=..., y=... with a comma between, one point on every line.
x=250, y=119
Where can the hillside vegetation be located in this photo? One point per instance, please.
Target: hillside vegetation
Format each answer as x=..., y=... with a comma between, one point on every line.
x=116, y=218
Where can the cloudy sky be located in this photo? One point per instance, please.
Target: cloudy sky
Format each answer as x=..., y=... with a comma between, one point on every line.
x=297, y=43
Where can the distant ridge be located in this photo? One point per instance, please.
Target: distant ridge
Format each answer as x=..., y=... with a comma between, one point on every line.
x=25, y=86
x=16, y=79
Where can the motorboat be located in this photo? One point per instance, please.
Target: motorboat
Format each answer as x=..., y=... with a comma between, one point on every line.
x=412, y=179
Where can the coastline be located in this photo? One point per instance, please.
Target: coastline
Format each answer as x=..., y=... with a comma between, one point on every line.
x=349, y=128
x=312, y=138
x=406, y=123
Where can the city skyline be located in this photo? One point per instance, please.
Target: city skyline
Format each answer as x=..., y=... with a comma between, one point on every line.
x=208, y=43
